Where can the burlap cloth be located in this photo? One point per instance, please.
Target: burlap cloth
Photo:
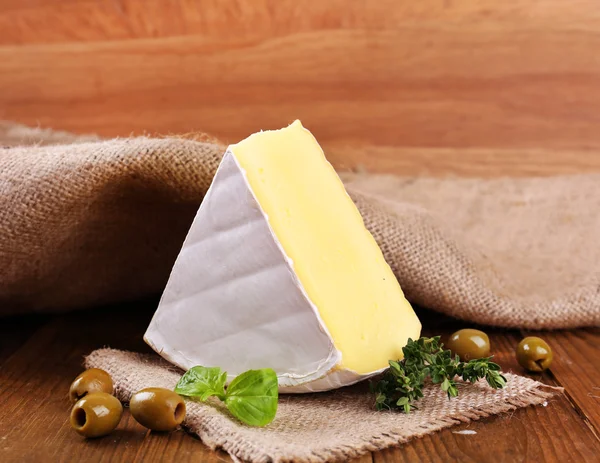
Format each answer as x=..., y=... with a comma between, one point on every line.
x=330, y=426
x=85, y=222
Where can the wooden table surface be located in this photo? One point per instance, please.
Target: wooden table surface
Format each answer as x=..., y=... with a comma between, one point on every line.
x=41, y=355
x=432, y=87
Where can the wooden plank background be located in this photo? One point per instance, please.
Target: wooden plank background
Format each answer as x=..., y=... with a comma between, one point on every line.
x=437, y=87
x=431, y=86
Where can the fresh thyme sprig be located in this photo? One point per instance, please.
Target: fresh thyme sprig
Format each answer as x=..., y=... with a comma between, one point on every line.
x=402, y=384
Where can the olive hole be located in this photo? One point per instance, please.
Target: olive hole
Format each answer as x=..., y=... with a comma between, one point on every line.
x=179, y=411
x=540, y=363
x=80, y=417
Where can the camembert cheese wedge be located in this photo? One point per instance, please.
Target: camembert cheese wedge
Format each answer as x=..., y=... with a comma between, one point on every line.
x=278, y=271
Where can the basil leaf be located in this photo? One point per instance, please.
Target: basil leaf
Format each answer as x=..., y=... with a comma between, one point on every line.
x=252, y=397
x=202, y=382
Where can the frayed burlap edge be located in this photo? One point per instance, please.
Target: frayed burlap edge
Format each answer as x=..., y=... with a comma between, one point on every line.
x=12, y=134
x=218, y=432
x=223, y=439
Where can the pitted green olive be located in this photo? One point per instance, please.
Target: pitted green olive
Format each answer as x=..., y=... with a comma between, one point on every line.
x=469, y=344
x=97, y=414
x=157, y=409
x=92, y=380
x=534, y=354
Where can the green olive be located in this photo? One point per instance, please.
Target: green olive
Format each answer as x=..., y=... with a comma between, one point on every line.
x=97, y=414
x=92, y=380
x=534, y=354
x=157, y=408
x=469, y=344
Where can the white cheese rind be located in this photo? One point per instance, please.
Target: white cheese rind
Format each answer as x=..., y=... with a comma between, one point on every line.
x=332, y=380
x=234, y=301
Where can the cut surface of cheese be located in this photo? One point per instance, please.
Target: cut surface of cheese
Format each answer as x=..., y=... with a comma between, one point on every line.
x=279, y=271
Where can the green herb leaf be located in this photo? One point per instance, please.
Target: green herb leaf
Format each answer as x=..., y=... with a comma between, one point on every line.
x=402, y=401
x=402, y=384
x=252, y=397
x=202, y=382
x=495, y=379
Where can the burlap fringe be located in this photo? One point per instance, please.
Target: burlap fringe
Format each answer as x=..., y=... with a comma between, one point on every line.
x=231, y=444
x=129, y=371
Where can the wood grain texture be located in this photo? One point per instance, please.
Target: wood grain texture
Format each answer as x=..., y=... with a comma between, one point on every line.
x=576, y=366
x=437, y=86
x=34, y=381
x=550, y=434
x=34, y=409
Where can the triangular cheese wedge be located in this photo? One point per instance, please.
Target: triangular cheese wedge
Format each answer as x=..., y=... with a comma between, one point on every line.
x=279, y=271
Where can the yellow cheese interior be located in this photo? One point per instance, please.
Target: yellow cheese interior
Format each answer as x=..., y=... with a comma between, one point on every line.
x=335, y=257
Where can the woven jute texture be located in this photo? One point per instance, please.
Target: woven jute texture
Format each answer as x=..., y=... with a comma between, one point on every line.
x=332, y=426
x=85, y=221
